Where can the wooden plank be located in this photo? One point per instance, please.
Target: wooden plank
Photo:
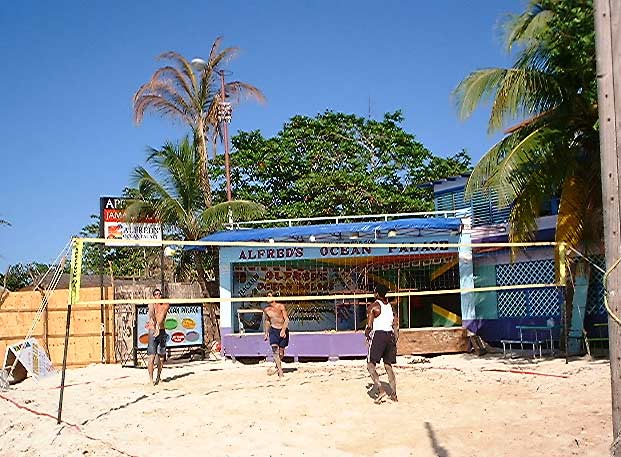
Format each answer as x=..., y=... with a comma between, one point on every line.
x=51, y=310
x=78, y=335
x=608, y=47
x=431, y=340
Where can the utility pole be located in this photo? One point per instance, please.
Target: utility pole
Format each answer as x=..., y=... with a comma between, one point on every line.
x=608, y=45
x=224, y=116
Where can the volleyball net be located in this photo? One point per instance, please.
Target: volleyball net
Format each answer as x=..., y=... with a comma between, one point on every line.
x=327, y=285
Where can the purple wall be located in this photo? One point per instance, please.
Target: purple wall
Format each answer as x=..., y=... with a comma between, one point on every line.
x=494, y=330
x=301, y=344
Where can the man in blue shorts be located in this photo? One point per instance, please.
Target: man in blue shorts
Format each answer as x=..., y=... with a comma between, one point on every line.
x=275, y=326
x=156, y=347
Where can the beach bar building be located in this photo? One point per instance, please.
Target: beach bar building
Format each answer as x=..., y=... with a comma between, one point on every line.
x=334, y=328
x=440, y=322
x=523, y=313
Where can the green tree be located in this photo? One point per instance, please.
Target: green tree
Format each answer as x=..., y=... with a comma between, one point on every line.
x=192, y=96
x=337, y=164
x=548, y=98
x=22, y=275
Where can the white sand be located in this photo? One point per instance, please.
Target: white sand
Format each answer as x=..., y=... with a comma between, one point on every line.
x=448, y=407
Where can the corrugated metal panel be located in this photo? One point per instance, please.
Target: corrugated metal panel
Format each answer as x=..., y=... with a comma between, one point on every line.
x=483, y=209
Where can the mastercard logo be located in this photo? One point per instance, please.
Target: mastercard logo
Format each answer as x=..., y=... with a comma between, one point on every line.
x=177, y=337
x=144, y=338
x=188, y=323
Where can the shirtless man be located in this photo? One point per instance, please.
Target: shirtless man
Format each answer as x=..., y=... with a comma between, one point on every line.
x=381, y=330
x=156, y=347
x=275, y=326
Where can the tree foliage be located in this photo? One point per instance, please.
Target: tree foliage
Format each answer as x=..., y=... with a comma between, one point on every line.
x=22, y=275
x=550, y=91
x=338, y=164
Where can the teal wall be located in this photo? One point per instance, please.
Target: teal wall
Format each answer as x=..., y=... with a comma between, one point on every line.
x=485, y=303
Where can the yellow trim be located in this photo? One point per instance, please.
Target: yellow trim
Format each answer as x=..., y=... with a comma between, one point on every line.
x=444, y=268
x=446, y=314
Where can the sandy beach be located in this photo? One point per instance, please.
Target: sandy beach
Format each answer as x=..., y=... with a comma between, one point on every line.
x=458, y=405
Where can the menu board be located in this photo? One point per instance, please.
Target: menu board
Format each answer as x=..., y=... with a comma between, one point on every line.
x=184, y=326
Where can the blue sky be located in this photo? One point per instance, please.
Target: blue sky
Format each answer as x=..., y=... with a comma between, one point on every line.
x=70, y=69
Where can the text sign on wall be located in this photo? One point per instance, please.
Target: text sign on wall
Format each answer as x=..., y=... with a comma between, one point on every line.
x=114, y=226
x=184, y=326
x=433, y=245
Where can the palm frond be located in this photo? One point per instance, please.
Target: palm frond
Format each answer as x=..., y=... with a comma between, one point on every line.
x=478, y=87
x=496, y=169
x=148, y=100
x=525, y=28
x=177, y=77
x=184, y=65
x=521, y=93
x=239, y=90
x=514, y=93
x=238, y=210
x=579, y=222
x=526, y=207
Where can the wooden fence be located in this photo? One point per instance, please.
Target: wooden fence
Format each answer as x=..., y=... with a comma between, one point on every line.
x=19, y=310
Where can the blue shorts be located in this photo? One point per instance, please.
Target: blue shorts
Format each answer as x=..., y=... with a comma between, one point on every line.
x=277, y=340
x=157, y=343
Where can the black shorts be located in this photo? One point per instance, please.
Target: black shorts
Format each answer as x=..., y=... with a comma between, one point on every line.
x=277, y=340
x=383, y=346
x=157, y=343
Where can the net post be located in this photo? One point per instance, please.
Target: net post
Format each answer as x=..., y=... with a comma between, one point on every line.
x=74, y=296
x=562, y=279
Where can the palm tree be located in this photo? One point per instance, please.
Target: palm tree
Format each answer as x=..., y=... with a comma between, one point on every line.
x=172, y=193
x=553, y=150
x=192, y=96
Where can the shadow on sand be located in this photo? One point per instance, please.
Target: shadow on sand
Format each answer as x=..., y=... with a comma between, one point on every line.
x=182, y=375
x=438, y=449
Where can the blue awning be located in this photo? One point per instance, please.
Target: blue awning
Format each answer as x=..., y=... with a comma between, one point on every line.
x=402, y=227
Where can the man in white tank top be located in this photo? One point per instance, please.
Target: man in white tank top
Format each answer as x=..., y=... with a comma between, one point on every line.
x=381, y=331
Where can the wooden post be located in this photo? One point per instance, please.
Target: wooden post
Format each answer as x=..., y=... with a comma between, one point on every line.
x=608, y=43
x=562, y=279
x=46, y=321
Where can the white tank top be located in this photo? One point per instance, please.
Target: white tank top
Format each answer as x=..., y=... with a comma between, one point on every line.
x=384, y=320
